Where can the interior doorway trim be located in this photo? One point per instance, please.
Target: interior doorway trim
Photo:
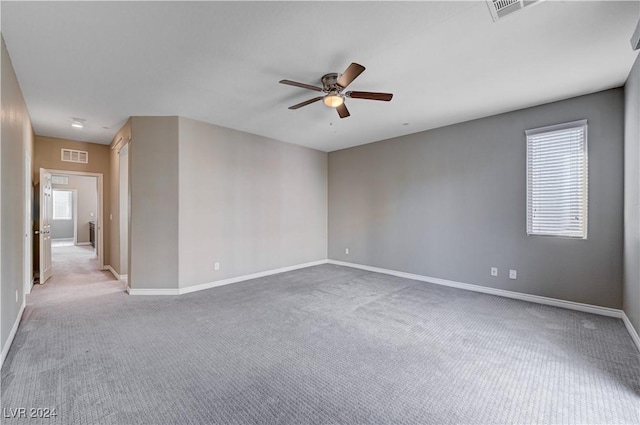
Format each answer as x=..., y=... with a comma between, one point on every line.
x=101, y=215
x=28, y=227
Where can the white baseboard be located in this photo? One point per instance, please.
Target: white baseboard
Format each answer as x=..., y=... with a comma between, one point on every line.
x=632, y=331
x=588, y=308
x=83, y=243
x=12, y=335
x=209, y=285
x=168, y=291
x=113, y=271
x=120, y=277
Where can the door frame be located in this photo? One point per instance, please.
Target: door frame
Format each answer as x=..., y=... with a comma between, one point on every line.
x=28, y=227
x=74, y=204
x=101, y=213
x=124, y=194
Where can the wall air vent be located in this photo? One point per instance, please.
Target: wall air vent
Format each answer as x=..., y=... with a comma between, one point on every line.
x=59, y=179
x=501, y=8
x=70, y=155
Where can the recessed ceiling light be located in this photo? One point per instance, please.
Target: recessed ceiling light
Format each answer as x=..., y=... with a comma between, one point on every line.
x=405, y=123
x=106, y=127
x=77, y=122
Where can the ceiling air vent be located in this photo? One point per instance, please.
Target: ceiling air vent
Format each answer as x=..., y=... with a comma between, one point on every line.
x=501, y=8
x=70, y=155
x=59, y=179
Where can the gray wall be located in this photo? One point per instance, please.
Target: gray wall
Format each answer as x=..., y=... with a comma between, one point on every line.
x=153, y=179
x=62, y=229
x=16, y=140
x=450, y=203
x=631, y=294
x=248, y=202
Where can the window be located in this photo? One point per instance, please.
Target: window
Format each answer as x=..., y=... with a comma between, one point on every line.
x=557, y=180
x=62, y=205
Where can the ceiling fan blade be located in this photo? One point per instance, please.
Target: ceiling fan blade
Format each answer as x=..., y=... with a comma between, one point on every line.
x=343, y=111
x=385, y=97
x=350, y=74
x=302, y=85
x=306, y=102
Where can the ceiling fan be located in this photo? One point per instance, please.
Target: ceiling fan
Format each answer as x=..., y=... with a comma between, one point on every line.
x=332, y=85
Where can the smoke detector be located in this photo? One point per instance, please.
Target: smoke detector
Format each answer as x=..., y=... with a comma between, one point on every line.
x=501, y=8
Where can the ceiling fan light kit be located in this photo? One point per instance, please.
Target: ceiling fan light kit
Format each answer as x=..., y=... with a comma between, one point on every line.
x=333, y=100
x=332, y=85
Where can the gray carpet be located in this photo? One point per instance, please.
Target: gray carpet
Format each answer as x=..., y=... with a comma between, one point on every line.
x=322, y=345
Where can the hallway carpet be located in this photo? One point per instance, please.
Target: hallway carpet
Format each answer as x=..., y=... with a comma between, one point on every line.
x=76, y=274
x=321, y=345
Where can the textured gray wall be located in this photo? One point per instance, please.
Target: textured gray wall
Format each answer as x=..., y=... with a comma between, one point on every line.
x=631, y=294
x=451, y=203
x=250, y=203
x=153, y=156
x=16, y=139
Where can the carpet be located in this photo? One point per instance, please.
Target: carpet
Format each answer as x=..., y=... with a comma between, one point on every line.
x=320, y=345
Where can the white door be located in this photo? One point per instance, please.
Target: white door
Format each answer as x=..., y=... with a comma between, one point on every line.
x=46, y=213
x=28, y=228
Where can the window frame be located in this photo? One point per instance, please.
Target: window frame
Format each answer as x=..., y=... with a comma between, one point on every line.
x=583, y=124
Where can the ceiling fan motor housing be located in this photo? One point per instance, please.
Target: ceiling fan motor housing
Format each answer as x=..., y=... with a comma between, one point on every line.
x=330, y=83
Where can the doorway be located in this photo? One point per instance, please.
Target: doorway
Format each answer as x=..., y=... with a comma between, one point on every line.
x=70, y=222
x=64, y=223
x=123, y=155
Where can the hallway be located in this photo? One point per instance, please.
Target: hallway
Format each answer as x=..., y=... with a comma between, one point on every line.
x=76, y=275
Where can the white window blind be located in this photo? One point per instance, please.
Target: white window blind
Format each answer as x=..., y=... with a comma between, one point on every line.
x=62, y=205
x=557, y=180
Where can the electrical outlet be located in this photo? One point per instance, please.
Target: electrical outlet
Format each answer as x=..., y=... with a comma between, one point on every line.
x=216, y=266
x=513, y=274
x=494, y=271
x=346, y=251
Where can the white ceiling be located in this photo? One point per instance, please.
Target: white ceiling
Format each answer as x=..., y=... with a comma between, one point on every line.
x=220, y=62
